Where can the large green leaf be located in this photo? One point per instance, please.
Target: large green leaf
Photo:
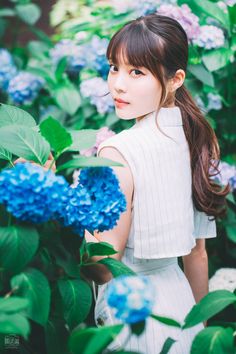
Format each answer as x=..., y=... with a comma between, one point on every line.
x=57, y=136
x=18, y=245
x=24, y=142
x=77, y=299
x=116, y=267
x=13, y=304
x=93, y=340
x=217, y=59
x=5, y=155
x=208, y=306
x=29, y=13
x=82, y=139
x=200, y=72
x=68, y=98
x=99, y=249
x=56, y=336
x=14, y=323
x=34, y=286
x=214, y=340
x=83, y=161
x=13, y=115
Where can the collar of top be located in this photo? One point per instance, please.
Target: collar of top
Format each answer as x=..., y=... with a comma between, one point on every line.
x=165, y=116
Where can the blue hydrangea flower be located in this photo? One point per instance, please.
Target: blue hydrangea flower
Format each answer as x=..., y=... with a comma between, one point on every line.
x=95, y=89
x=108, y=201
x=24, y=88
x=7, y=68
x=30, y=193
x=210, y=37
x=227, y=174
x=131, y=297
x=214, y=101
x=96, y=55
x=75, y=53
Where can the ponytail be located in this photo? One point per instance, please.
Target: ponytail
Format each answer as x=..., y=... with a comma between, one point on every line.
x=208, y=196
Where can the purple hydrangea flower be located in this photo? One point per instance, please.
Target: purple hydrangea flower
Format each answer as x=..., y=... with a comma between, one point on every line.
x=30, y=193
x=214, y=101
x=95, y=88
x=24, y=88
x=96, y=55
x=102, y=134
x=75, y=53
x=210, y=37
x=131, y=297
x=184, y=16
x=227, y=175
x=7, y=68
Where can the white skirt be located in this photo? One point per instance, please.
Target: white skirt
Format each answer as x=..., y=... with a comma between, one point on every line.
x=173, y=298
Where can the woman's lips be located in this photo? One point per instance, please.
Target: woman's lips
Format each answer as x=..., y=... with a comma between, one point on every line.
x=120, y=103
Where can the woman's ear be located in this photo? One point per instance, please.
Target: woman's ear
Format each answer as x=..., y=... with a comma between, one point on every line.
x=177, y=80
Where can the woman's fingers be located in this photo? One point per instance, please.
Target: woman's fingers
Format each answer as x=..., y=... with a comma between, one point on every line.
x=19, y=160
x=46, y=166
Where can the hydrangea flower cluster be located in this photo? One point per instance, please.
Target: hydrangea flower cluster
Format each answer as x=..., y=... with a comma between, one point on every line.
x=143, y=8
x=184, y=16
x=230, y=2
x=75, y=53
x=108, y=201
x=210, y=37
x=7, y=68
x=95, y=88
x=102, y=134
x=224, y=278
x=131, y=297
x=96, y=55
x=24, y=88
x=214, y=101
x=30, y=193
x=227, y=174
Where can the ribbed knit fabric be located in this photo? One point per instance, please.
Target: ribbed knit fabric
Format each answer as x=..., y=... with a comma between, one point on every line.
x=165, y=222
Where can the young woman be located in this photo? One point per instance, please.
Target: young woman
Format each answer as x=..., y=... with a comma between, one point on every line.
x=169, y=157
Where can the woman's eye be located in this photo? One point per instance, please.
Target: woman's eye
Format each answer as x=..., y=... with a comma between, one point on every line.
x=112, y=67
x=137, y=72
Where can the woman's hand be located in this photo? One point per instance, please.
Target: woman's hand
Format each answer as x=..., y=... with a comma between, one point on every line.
x=46, y=166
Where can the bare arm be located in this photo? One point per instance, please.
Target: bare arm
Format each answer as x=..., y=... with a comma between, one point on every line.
x=118, y=236
x=196, y=269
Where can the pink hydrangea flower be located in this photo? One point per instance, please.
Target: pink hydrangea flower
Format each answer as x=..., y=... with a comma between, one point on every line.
x=102, y=134
x=184, y=16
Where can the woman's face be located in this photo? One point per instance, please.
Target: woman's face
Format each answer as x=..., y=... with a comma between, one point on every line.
x=136, y=86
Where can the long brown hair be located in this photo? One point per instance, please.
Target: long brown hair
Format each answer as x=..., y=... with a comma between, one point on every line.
x=160, y=44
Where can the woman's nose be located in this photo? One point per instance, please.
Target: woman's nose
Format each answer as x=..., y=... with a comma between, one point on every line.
x=119, y=84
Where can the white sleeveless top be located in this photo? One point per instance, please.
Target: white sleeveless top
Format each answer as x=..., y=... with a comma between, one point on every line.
x=165, y=222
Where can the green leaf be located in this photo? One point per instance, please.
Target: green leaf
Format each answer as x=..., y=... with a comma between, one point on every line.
x=24, y=142
x=68, y=98
x=61, y=67
x=13, y=304
x=82, y=139
x=5, y=155
x=55, y=134
x=14, y=323
x=93, y=340
x=33, y=285
x=18, y=245
x=100, y=249
x=77, y=299
x=217, y=59
x=167, y=345
x=13, y=115
x=213, y=340
x=116, y=267
x=83, y=161
x=231, y=232
x=56, y=336
x=64, y=259
x=166, y=320
x=29, y=13
x=7, y=12
x=208, y=306
x=202, y=74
